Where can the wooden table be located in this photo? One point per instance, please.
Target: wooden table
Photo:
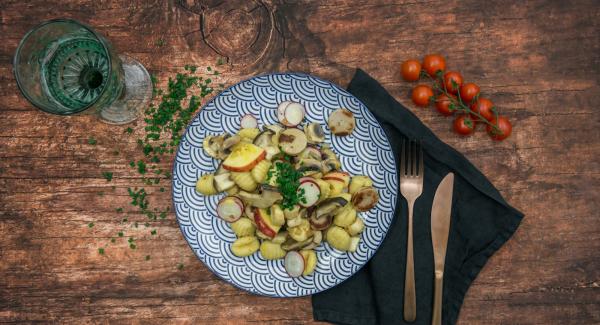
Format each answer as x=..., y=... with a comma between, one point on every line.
x=538, y=60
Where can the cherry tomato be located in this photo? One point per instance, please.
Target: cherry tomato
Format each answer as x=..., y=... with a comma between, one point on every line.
x=484, y=107
x=503, y=131
x=421, y=95
x=468, y=91
x=410, y=70
x=447, y=81
x=442, y=103
x=432, y=63
x=464, y=125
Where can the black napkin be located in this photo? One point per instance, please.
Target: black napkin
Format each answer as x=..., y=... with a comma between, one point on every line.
x=481, y=222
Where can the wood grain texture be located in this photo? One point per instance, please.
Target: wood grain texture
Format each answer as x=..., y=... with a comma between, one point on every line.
x=539, y=61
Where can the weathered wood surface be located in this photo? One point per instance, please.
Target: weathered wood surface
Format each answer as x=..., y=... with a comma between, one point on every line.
x=538, y=60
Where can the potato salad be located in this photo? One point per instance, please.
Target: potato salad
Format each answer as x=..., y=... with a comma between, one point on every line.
x=286, y=192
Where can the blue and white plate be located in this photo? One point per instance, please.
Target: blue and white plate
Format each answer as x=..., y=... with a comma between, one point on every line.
x=365, y=152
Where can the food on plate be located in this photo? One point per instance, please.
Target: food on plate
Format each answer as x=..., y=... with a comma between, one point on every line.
x=421, y=95
x=244, y=180
x=359, y=182
x=248, y=122
x=205, y=185
x=290, y=113
x=245, y=246
x=230, y=208
x=338, y=238
x=264, y=223
x=243, y=227
x=345, y=217
x=310, y=261
x=292, y=141
x=286, y=190
x=271, y=251
x=341, y=122
x=244, y=157
x=356, y=227
x=294, y=264
x=249, y=134
x=365, y=199
x=314, y=133
x=259, y=172
x=451, y=95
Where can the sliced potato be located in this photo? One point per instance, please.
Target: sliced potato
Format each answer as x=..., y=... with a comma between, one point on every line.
x=245, y=246
x=356, y=227
x=359, y=182
x=338, y=238
x=277, y=216
x=341, y=122
x=205, y=185
x=310, y=261
x=271, y=251
x=301, y=232
x=249, y=133
x=346, y=217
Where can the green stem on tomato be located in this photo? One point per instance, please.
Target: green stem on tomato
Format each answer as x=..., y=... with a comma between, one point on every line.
x=461, y=106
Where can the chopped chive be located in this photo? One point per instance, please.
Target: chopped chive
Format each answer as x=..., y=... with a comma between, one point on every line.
x=108, y=176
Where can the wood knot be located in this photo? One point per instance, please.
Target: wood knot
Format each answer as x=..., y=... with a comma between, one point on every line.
x=243, y=31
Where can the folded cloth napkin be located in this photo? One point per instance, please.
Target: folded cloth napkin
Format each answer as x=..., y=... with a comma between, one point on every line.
x=481, y=222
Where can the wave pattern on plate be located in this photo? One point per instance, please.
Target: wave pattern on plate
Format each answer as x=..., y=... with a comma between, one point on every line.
x=367, y=151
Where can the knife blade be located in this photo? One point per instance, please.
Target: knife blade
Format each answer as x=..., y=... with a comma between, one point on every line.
x=440, y=229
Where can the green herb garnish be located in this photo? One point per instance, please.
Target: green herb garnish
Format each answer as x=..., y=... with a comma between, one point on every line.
x=287, y=181
x=164, y=121
x=108, y=176
x=141, y=165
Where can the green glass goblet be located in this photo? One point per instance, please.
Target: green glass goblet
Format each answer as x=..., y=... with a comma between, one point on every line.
x=64, y=67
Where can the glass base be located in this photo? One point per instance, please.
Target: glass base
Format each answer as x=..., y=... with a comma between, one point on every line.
x=136, y=94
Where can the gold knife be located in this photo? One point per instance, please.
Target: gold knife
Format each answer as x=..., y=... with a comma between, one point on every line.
x=440, y=228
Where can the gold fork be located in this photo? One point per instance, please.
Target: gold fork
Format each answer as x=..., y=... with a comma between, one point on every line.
x=411, y=187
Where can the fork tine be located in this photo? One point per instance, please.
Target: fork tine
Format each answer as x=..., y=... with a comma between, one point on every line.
x=403, y=159
x=413, y=157
x=421, y=167
x=409, y=158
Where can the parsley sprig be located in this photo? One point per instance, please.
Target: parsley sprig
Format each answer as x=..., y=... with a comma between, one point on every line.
x=288, y=182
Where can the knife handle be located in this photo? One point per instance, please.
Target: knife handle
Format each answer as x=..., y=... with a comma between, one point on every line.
x=410, y=295
x=437, y=299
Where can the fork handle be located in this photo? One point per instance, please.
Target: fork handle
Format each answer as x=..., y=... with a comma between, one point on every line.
x=410, y=296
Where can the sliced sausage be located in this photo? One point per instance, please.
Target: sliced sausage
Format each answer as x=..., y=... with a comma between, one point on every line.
x=341, y=122
x=365, y=199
